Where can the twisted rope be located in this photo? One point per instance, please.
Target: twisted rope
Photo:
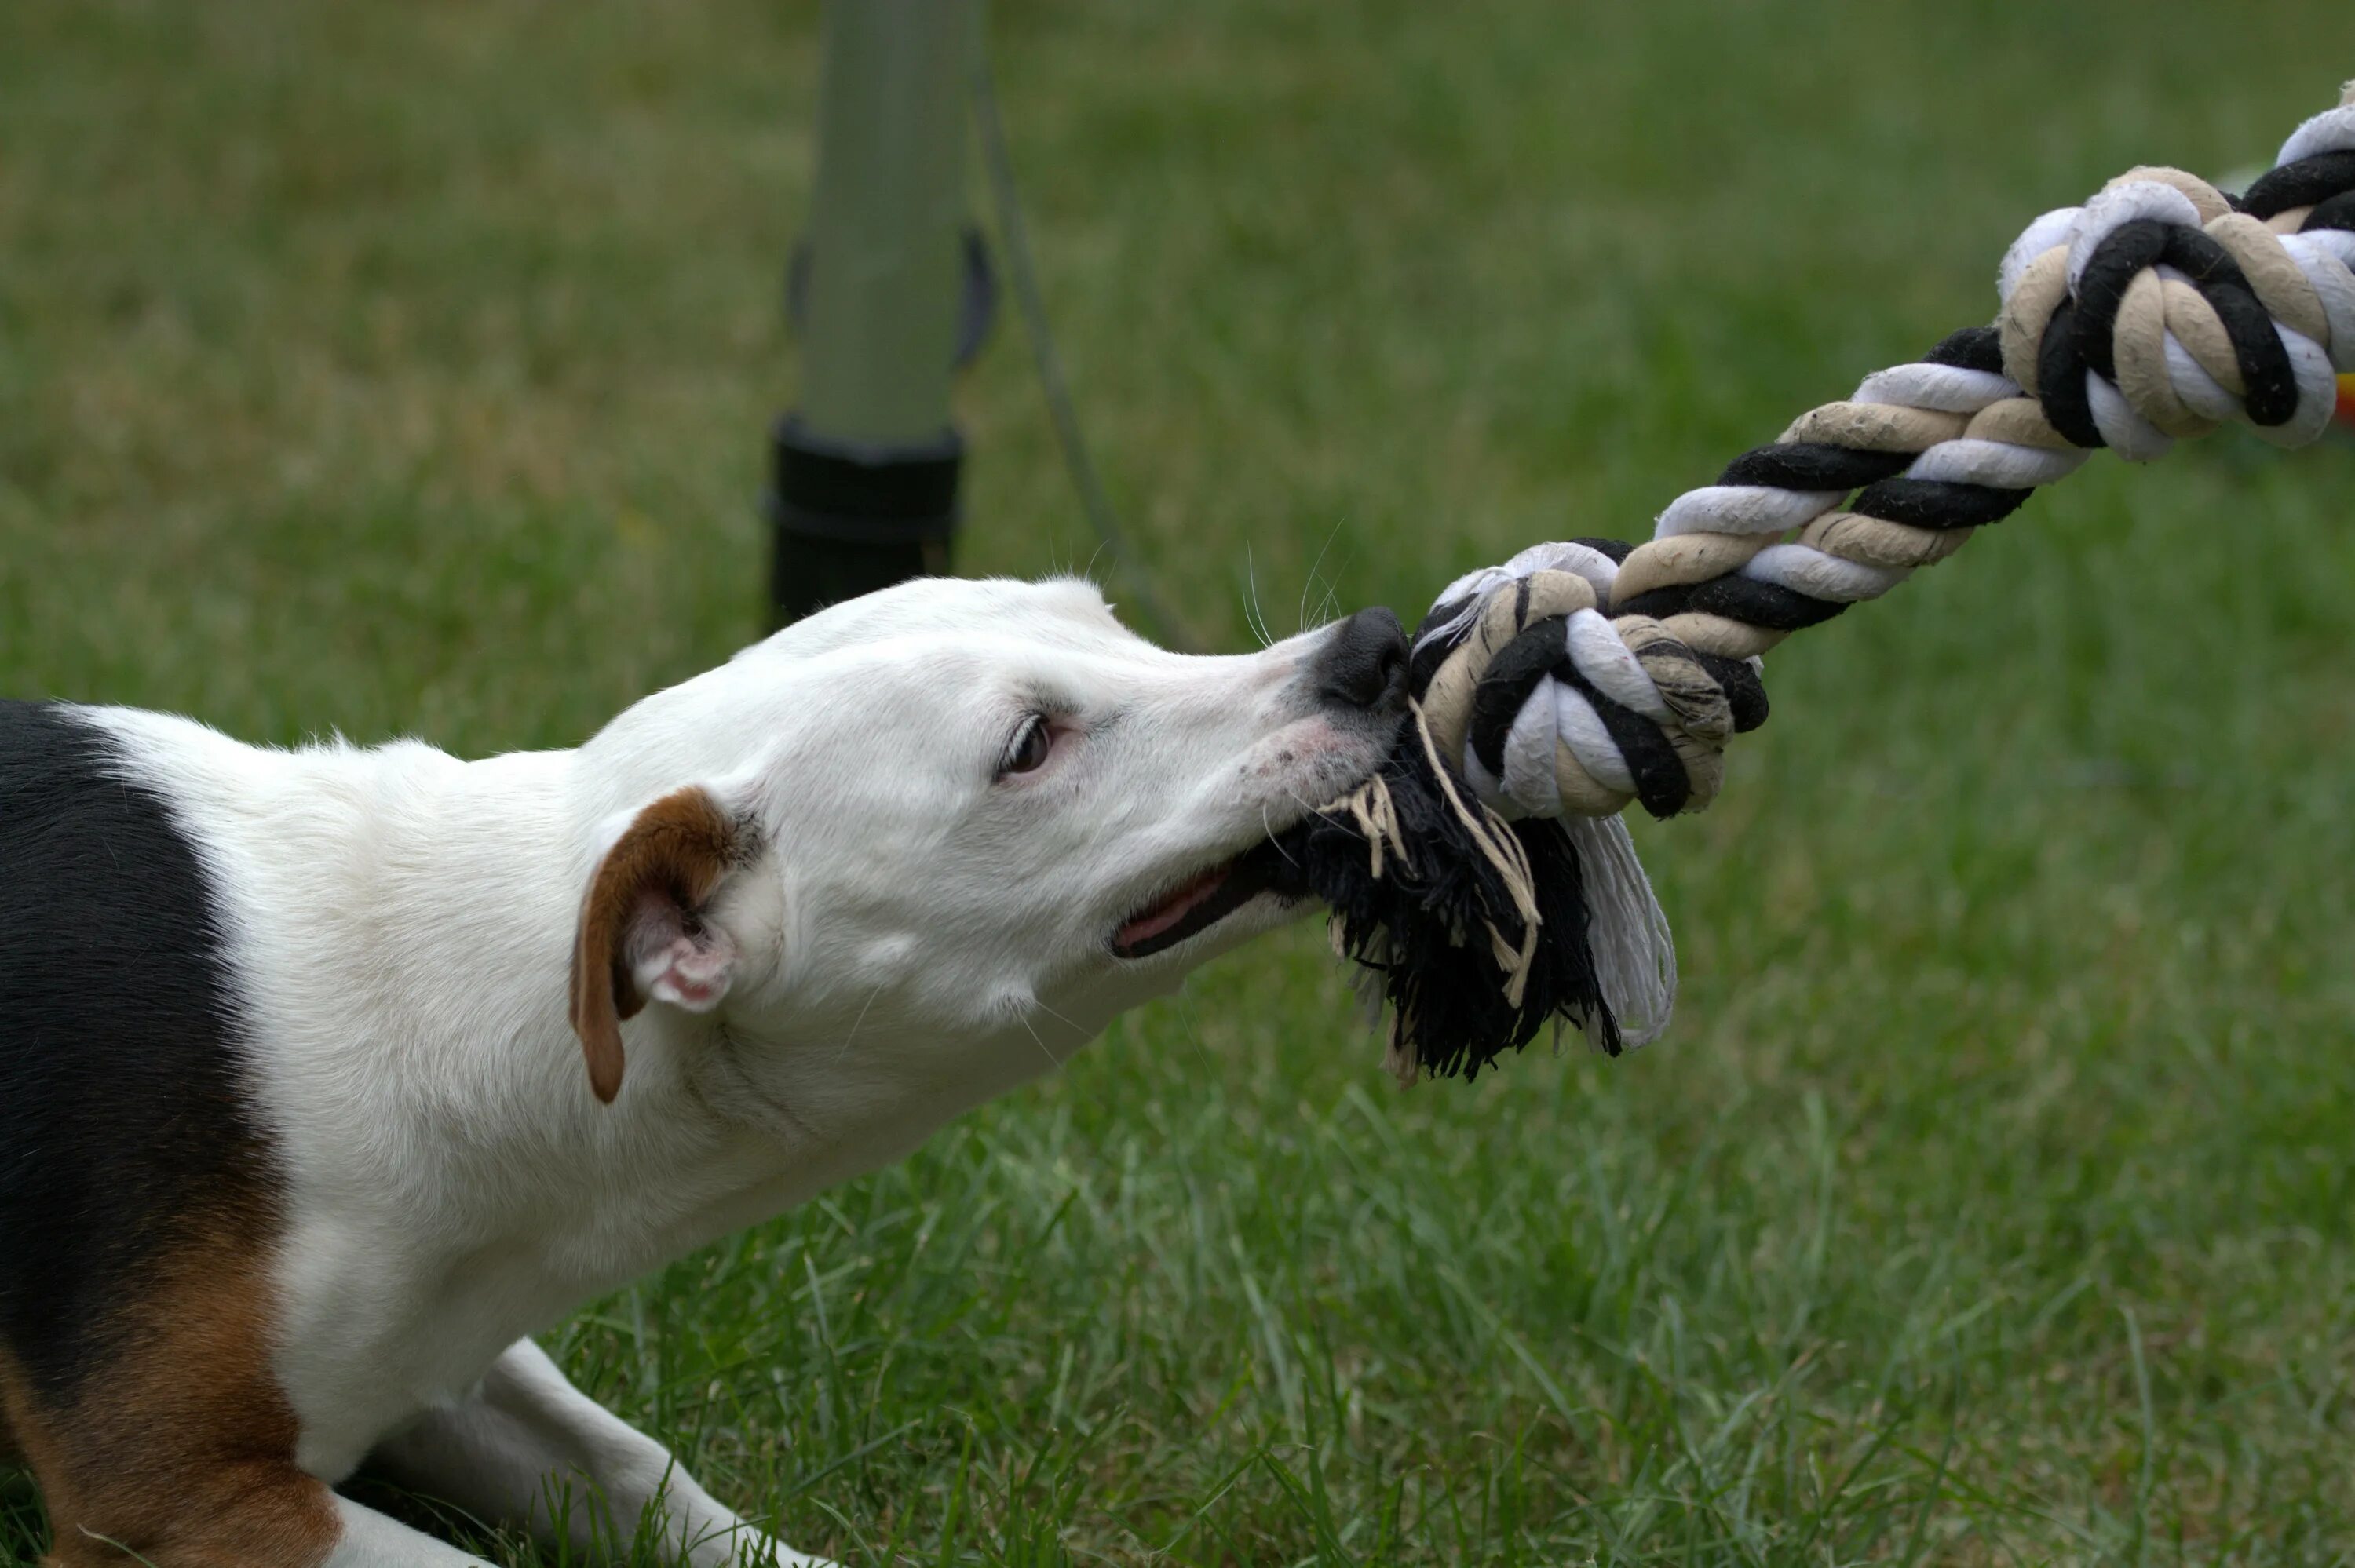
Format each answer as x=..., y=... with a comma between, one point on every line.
x=1581, y=677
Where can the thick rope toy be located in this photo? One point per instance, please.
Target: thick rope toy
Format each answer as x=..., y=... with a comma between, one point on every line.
x=1485, y=876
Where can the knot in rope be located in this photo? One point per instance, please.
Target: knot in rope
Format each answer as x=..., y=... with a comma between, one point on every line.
x=1551, y=707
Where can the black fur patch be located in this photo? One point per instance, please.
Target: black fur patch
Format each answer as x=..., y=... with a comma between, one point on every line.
x=123, y=1127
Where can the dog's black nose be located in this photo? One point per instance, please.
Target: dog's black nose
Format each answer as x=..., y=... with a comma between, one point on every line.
x=1363, y=664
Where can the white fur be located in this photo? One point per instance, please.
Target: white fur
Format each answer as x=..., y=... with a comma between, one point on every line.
x=371, y=1540
x=916, y=935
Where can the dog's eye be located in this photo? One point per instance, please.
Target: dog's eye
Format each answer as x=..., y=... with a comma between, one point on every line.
x=1031, y=745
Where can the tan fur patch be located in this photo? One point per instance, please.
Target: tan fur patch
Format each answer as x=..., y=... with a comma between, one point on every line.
x=179, y=1448
x=679, y=847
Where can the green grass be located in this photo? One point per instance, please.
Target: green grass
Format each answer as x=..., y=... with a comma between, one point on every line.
x=403, y=369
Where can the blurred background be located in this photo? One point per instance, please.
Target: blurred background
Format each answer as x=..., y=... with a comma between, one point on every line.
x=407, y=370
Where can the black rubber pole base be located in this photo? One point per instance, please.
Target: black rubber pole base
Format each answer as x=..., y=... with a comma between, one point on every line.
x=806, y=574
x=854, y=516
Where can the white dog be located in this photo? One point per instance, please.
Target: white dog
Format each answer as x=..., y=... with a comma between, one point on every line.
x=329, y=1075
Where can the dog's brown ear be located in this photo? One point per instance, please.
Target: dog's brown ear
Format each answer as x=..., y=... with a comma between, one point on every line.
x=641, y=931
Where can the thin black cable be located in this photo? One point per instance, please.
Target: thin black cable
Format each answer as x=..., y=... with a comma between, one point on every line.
x=1014, y=233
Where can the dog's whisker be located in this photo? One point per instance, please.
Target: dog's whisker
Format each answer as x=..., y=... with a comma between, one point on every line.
x=1089, y=571
x=1310, y=580
x=1331, y=605
x=1252, y=612
x=855, y=1023
x=1308, y=809
x=1023, y=1018
x=1051, y=1013
x=1270, y=831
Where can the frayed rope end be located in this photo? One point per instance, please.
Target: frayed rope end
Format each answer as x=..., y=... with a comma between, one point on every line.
x=1479, y=931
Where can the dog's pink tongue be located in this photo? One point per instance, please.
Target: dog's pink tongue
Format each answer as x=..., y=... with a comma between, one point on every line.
x=1172, y=909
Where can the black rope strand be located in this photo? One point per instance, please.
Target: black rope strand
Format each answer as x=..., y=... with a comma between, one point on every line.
x=1422, y=927
x=2307, y=182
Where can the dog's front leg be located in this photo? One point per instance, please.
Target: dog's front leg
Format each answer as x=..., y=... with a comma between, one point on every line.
x=369, y=1540
x=528, y=1448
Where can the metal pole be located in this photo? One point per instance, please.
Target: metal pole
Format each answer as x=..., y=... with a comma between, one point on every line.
x=866, y=471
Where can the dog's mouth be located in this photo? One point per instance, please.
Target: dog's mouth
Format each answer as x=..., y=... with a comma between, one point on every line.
x=1277, y=865
x=1202, y=900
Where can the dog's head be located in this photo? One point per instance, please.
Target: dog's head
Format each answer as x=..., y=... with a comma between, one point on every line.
x=952, y=828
